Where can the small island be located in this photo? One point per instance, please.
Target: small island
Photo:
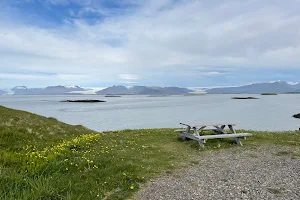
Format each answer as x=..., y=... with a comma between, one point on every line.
x=268, y=94
x=194, y=94
x=84, y=101
x=297, y=116
x=112, y=96
x=244, y=98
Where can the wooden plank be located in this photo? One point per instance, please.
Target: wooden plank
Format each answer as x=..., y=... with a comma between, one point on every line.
x=180, y=131
x=208, y=124
x=191, y=136
x=184, y=124
x=239, y=135
x=201, y=139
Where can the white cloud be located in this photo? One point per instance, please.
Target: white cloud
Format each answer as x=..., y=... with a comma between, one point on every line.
x=160, y=34
x=128, y=76
x=212, y=73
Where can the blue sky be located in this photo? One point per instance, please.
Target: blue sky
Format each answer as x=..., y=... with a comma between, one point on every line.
x=98, y=43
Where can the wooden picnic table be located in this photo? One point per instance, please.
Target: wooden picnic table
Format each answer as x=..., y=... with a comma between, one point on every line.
x=218, y=128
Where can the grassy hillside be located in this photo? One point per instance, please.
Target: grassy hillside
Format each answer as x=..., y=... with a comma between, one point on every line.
x=42, y=158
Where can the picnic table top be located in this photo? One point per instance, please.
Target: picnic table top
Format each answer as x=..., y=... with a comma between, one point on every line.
x=208, y=124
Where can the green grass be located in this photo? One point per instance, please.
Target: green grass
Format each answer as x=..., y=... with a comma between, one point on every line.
x=42, y=158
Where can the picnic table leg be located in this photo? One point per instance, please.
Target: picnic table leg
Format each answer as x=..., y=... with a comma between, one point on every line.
x=237, y=140
x=222, y=127
x=201, y=143
x=200, y=129
x=187, y=130
x=196, y=133
x=220, y=130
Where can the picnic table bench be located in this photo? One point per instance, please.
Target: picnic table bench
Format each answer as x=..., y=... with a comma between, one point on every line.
x=218, y=128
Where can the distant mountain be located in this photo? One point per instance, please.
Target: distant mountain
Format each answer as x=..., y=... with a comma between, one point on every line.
x=2, y=92
x=296, y=86
x=257, y=88
x=119, y=89
x=51, y=90
x=143, y=90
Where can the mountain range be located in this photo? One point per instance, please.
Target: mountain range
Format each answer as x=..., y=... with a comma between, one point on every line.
x=257, y=88
x=51, y=90
x=2, y=92
x=67, y=90
x=143, y=90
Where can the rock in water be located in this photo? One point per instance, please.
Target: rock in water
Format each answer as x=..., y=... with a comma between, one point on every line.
x=244, y=98
x=84, y=101
x=297, y=116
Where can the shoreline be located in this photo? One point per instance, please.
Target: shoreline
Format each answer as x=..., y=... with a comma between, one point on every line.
x=276, y=112
x=50, y=154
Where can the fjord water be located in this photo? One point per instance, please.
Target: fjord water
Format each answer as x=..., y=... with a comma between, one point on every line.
x=272, y=113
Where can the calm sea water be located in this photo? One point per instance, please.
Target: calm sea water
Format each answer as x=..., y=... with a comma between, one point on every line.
x=133, y=112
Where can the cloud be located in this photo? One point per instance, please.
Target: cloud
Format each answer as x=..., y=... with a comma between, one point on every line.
x=212, y=73
x=128, y=76
x=155, y=36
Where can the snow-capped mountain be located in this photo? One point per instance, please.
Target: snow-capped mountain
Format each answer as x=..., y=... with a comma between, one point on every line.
x=144, y=90
x=268, y=87
x=51, y=90
x=20, y=88
x=72, y=86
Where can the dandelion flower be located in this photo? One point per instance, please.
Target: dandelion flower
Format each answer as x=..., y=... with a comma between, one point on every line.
x=131, y=187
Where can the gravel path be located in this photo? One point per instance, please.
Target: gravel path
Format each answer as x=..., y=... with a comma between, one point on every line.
x=266, y=173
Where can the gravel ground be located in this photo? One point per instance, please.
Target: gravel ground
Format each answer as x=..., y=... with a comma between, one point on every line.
x=238, y=173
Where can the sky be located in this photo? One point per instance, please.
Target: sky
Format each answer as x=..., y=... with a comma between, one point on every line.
x=187, y=43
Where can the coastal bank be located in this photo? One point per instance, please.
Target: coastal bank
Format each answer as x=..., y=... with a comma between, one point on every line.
x=44, y=158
